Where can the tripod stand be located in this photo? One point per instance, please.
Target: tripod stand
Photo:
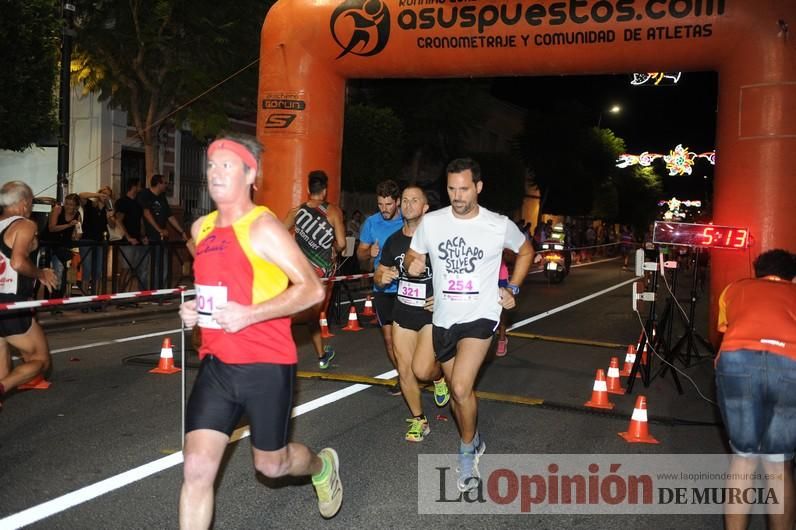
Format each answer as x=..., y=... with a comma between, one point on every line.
x=654, y=340
x=690, y=337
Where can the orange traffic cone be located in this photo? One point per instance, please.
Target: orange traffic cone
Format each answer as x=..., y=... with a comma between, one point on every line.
x=637, y=431
x=630, y=359
x=614, y=383
x=353, y=321
x=166, y=363
x=599, y=393
x=37, y=383
x=368, y=311
x=325, y=327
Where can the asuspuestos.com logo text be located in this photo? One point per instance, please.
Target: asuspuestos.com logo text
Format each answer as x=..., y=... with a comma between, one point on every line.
x=483, y=17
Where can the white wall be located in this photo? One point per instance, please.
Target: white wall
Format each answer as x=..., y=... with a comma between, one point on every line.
x=37, y=166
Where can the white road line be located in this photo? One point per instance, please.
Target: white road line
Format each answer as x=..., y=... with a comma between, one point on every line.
x=114, y=341
x=64, y=502
x=570, y=304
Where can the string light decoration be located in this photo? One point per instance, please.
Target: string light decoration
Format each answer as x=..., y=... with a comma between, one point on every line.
x=676, y=206
x=679, y=161
x=655, y=78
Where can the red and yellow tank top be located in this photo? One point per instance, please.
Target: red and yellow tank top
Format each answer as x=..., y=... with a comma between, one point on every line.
x=225, y=257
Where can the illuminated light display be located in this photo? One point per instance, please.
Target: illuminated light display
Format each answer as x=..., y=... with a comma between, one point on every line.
x=700, y=235
x=676, y=206
x=679, y=161
x=655, y=78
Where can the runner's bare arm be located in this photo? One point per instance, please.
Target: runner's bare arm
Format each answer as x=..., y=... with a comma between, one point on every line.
x=290, y=218
x=336, y=219
x=522, y=263
x=188, y=312
x=364, y=257
x=274, y=243
x=384, y=275
x=24, y=236
x=415, y=263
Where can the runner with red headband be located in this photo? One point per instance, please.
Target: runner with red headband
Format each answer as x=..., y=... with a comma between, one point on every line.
x=250, y=278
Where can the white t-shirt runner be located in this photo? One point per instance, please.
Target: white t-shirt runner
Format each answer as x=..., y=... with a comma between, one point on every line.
x=465, y=257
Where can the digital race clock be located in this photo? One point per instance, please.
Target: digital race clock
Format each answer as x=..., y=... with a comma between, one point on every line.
x=703, y=236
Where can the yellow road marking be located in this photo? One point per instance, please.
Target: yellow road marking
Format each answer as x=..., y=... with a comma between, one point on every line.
x=585, y=342
x=363, y=379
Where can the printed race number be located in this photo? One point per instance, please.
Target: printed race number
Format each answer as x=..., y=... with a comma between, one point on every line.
x=460, y=287
x=209, y=298
x=411, y=293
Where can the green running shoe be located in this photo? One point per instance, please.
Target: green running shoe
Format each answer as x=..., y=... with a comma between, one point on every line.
x=441, y=393
x=330, y=490
x=418, y=430
x=326, y=359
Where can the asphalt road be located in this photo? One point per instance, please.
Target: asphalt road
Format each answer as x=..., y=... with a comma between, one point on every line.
x=106, y=418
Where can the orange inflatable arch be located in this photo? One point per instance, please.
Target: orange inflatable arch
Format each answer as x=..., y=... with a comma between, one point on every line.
x=309, y=48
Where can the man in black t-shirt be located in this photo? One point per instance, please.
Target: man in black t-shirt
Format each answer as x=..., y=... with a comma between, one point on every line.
x=411, y=327
x=157, y=217
x=97, y=216
x=129, y=218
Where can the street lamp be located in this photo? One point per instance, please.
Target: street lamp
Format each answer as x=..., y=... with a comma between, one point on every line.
x=615, y=109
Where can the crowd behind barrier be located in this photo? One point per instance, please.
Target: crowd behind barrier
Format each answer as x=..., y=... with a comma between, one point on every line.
x=121, y=269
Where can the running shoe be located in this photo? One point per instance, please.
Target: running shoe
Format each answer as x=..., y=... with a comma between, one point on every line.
x=469, y=477
x=330, y=489
x=418, y=429
x=441, y=393
x=326, y=359
x=501, y=347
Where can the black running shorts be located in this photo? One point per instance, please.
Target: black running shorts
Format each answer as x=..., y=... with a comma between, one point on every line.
x=446, y=339
x=411, y=317
x=223, y=392
x=15, y=322
x=384, y=303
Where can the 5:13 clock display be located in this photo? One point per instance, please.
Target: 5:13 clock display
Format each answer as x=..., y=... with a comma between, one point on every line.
x=700, y=235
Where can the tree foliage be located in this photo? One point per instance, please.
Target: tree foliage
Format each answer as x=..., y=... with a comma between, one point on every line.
x=157, y=59
x=437, y=116
x=574, y=165
x=372, y=147
x=29, y=38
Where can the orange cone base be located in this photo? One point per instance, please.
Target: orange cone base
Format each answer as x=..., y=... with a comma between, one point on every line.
x=648, y=439
x=165, y=366
x=165, y=370
x=37, y=383
x=595, y=405
x=618, y=391
x=352, y=328
x=326, y=335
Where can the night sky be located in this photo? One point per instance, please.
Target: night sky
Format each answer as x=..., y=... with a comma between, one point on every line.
x=653, y=118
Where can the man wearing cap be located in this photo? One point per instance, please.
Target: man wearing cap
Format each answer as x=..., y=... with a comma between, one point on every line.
x=250, y=277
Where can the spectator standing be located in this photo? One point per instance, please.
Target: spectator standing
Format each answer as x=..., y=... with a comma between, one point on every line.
x=130, y=218
x=62, y=230
x=157, y=218
x=97, y=215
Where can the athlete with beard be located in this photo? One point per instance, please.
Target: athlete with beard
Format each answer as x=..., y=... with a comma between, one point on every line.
x=411, y=328
x=465, y=243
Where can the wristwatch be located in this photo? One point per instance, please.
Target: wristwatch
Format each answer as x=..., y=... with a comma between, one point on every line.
x=515, y=289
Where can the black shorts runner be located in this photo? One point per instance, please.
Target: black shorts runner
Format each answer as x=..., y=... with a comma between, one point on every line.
x=223, y=392
x=446, y=339
x=15, y=323
x=410, y=318
x=384, y=303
